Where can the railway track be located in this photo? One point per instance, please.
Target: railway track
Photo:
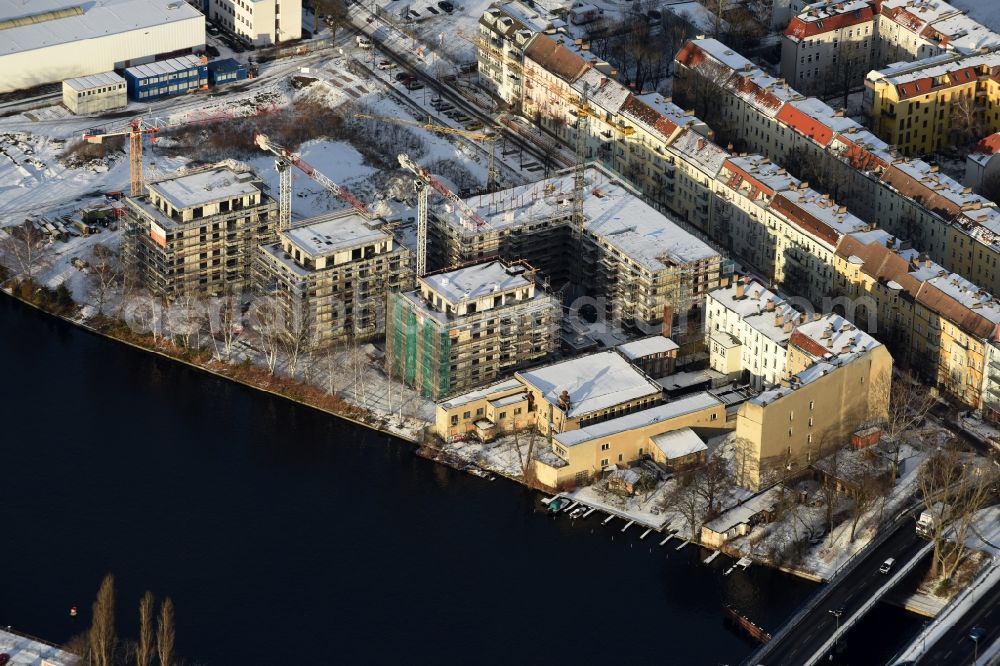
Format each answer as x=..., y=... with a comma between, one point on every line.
x=518, y=137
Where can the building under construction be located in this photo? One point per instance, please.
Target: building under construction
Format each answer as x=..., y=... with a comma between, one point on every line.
x=196, y=234
x=332, y=274
x=643, y=263
x=465, y=327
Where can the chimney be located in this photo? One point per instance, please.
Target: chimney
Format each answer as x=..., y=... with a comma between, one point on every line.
x=802, y=318
x=934, y=168
x=816, y=316
x=788, y=325
x=846, y=349
x=740, y=290
x=769, y=306
x=778, y=319
x=829, y=343
x=756, y=294
x=700, y=144
x=890, y=242
x=564, y=401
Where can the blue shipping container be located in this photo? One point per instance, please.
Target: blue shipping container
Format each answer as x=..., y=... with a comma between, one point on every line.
x=168, y=77
x=227, y=70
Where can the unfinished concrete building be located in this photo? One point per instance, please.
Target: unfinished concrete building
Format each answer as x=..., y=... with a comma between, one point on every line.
x=646, y=267
x=465, y=327
x=196, y=234
x=331, y=275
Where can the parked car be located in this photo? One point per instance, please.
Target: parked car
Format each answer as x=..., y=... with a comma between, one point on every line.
x=363, y=42
x=212, y=30
x=385, y=64
x=402, y=76
x=413, y=84
x=446, y=6
x=887, y=566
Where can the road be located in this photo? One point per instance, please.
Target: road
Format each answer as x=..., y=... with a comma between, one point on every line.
x=955, y=646
x=850, y=593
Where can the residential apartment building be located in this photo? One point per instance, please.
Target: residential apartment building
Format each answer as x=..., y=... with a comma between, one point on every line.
x=747, y=327
x=642, y=263
x=911, y=30
x=828, y=48
x=936, y=322
x=332, y=274
x=260, y=22
x=982, y=167
x=925, y=106
x=839, y=379
x=465, y=327
x=197, y=233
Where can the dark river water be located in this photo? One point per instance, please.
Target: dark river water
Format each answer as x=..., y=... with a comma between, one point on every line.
x=286, y=536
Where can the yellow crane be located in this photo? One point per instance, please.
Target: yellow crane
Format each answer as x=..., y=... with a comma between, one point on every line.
x=489, y=137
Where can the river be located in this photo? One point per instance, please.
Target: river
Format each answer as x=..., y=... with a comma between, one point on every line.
x=284, y=535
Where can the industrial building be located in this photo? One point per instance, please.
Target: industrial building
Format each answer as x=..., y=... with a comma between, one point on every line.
x=46, y=41
x=227, y=70
x=260, y=22
x=197, y=233
x=332, y=274
x=166, y=78
x=465, y=327
x=645, y=266
x=96, y=93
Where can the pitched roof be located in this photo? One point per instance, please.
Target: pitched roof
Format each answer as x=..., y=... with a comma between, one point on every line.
x=556, y=58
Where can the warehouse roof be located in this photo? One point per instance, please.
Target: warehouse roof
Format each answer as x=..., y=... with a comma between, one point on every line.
x=593, y=382
x=472, y=282
x=206, y=186
x=654, y=344
x=51, y=22
x=82, y=83
x=678, y=443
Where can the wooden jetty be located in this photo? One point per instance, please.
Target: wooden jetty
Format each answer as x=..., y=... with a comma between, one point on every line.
x=747, y=625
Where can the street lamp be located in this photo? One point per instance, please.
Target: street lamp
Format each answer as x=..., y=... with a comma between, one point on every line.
x=836, y=613
x=975, y=647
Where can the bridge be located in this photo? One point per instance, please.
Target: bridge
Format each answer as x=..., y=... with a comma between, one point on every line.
x=812, y=633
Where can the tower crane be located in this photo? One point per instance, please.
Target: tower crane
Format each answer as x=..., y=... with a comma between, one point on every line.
x=135, y=130
x=492, y=175
x=471, y=219
x=285, y=158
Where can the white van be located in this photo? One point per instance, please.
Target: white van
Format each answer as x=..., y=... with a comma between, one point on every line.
x=363, y=42
x=887, y=566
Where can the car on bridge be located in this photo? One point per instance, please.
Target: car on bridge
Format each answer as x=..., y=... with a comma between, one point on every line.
x=887, y=566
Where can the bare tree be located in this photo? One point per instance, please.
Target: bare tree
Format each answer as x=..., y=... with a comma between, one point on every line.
x=939, y=474
x=831, y=469
x=966, y=116
x=713, y=482
x=23, y=248
x=909, y=402
x=267, y=320
x=687, y=500
x=145, y=649
x=165, y=633
x=225, y=324
x=101, y=641
x=745, y=462
x=105, y=274
x=335, y=12
x=867, y=485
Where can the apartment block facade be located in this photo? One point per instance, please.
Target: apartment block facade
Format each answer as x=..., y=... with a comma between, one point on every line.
x=466, y=327
x=260, y=22
x=829, y=48
x=196, y=234
x=331, y=276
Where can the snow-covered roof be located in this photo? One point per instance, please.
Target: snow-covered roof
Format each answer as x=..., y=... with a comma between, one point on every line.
x=654, y=344
x=482, y=393
x=752, y=309
x=678, y=443
x=602, y=90
x=509, y=400
x=594, y=382
x=758, y=172
x=965, y=35
x=206, y=186
x=35, y=27
x=82, y=83
x=832, y=335
x=745, y=512
x=613, y=212
x=646, y=417
x=162, y=67
x=969, y=295
x=476, y=281
x=334, y=232
x=698, y=150
x=24, y=651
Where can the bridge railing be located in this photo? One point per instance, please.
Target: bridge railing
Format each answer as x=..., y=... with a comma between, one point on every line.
x=823, y=592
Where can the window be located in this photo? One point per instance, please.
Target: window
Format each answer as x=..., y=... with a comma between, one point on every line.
x=604, y=463
x=503, y=415
x=811, y=404
x=621, y=457
x=454, y=419
x=466, y=415
x=605, y=446
x=713, y=418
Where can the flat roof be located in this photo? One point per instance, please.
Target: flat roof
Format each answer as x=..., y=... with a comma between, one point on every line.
x=327, y=234
x=93, y=81
x=207, y=186
x=481, y=393
x=613, y=212
x=654, y=344
x=96, y=18
x=646, y=417
x=24, y=651
x=594, y=382
x=472, y=282
x=161, y=67
x=678, y=443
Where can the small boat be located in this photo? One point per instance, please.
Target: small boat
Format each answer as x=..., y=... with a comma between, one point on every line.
x=577, y=512
x=557, y=504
